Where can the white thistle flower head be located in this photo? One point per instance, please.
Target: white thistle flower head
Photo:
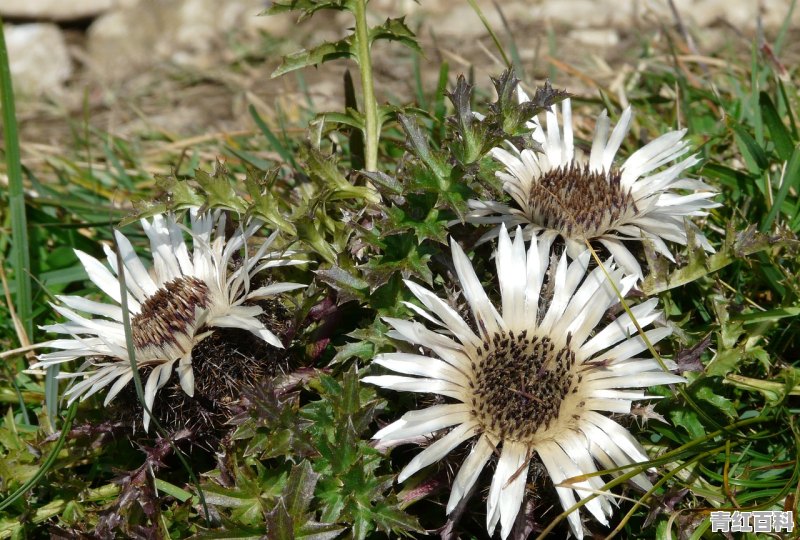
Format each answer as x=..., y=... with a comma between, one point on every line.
x=532, y=378
x=562, y=192
x=188, y=292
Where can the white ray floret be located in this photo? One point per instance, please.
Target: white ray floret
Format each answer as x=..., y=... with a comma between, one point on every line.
x=561, y=192
x=188, y=292
x=530, y=379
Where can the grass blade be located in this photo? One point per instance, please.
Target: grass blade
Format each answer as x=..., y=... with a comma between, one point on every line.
x=790, y=176
x=21, y=261
x=780, y=135
x=279, y=147
x=490, y=30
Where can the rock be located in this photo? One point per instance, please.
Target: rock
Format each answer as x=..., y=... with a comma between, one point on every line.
x=595, y=37
x=742, y=15
x=40, y=61
x=56, y=10
x=121, y=42
x=189, y=32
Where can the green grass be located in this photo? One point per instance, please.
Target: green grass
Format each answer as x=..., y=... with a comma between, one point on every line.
x=299, y=461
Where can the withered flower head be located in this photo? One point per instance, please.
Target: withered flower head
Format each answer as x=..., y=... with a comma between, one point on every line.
x=190, y=291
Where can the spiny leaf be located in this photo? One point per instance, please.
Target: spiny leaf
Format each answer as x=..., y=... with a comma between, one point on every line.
x=345, y=283
x=299, y=489
x=279, y=523
x=218, y=190
x=306, y=7
x=417, y=143
x=307, y=231
x=395, y=30
x=319, y=54
x=513, y=116
x=391, y=519
x=325, y=168
x=737, y=245
x=265, y=204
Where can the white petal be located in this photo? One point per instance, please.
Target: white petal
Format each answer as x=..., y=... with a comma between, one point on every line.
x=511, y=266
x=560, y=295
x=633, y=346
x=623, y=256
x=134, y=290
x=553, y=147
x=617, y=136
x=552, y=457
x=186, y=374
x=425, y=422
x=566, y=119
x=602, y=445
x=416, y=333
x=654, y=154
x=574, y=451
x=275, y=288
x=486, y=315
x=450, y=317
x=534, y=277
x=179, y=247
x=470, y=471
x=136, y=270
x=438, y=449
x=512, y=471
x=638, y=380
x=164, y=261
x=115, y=389
x=90, y=306
x=619, y=435
x=418, y=385
x=158, y=378
x=100, y=275
x=599, y=142
x=423, y=366
x=98, y=326
x=247, y=323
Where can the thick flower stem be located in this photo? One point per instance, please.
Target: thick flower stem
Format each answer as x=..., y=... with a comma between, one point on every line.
x=372, y=127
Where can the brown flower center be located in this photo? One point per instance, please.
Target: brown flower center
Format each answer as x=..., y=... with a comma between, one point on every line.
x=519, y=384
x=579, y=203
x=169, y=312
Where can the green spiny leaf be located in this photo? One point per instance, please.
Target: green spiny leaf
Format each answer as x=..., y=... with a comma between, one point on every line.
x=307, y=7
x=318, y=55
x=299, y=489
x=395, y=30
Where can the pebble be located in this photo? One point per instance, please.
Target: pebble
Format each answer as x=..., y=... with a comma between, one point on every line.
x=40, y=61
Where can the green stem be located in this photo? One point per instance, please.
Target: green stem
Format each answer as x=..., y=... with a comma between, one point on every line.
x=372, y=128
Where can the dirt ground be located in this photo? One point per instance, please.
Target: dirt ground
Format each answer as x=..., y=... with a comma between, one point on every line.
x=187, y=106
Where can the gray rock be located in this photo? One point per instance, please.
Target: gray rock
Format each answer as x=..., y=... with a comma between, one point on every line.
x=40, y=61
x=595, y=37
x=56, y=10
x=188, y=32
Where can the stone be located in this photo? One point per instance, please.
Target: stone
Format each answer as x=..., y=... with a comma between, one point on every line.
x=594, y=37
x=38, y=57
x=121, y=42
x=187, y=32
x=57, y=10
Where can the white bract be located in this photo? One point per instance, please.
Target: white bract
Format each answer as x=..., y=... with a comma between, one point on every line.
x=562, y=192
x=532, y=378
x=187, y=293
